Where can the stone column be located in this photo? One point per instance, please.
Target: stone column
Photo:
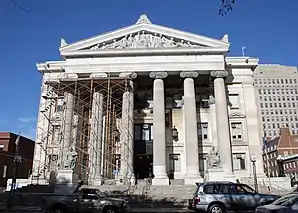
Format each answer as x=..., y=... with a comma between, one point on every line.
x=213, y=120
x=190, y=126
x=68, y=122
x=159, y=130
x=222, y=122
x=127, y=133
x=96, y=137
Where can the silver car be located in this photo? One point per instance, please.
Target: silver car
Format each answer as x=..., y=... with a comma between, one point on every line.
x=222, y=197
x=285, y=204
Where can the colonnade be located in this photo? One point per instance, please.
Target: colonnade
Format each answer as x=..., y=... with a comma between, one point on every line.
x=159, y=128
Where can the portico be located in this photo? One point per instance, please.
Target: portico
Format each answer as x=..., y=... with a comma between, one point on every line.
x=172, y=80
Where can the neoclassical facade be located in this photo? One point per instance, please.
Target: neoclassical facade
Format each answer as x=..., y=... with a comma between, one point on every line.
x=187, y=111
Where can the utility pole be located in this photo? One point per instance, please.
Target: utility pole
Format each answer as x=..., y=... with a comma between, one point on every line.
x=265, y=141
x=17, y=160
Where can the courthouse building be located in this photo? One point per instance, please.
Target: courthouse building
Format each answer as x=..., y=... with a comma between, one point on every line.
x=148, y=98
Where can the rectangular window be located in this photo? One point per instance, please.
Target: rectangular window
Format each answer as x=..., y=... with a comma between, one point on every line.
x=237, y=133
x=239, y=161
x=203, y=130
x=175, y=162
x=59, y=108
x=234, y=101
x=137, y=132
x=145, y=132
x=4, y=171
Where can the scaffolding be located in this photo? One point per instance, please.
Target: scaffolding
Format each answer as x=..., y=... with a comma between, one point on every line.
x=53, y=109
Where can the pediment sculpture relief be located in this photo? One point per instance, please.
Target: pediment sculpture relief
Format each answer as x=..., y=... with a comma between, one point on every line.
x=144, y=40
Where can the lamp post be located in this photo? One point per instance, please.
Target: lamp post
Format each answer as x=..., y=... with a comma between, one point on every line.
x=17, y=160
x=253, y=160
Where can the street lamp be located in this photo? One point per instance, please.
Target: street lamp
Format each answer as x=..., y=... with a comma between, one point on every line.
x=17, y=160
x=253, y=160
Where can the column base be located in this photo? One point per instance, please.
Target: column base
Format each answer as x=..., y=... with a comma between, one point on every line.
x=160, y=182
x=66, y=181
x=218, y=174
x=97, y=181
x=191, y=179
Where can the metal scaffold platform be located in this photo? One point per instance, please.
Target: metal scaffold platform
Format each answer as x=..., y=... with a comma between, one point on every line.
x=51, y=126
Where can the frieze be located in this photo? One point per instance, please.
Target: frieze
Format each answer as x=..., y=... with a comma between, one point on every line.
x=144, y=39
x=219, y=73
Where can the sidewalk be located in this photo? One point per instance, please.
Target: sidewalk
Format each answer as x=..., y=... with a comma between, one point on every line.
x=20, y=209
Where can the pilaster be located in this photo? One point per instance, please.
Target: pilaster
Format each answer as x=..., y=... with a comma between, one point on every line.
x=252, y=125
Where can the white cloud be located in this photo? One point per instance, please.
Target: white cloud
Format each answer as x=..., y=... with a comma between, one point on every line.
x=27, y=119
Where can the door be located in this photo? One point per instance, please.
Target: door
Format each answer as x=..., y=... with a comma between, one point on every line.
x=248, y=197
x=87, y=199
x=236, y=198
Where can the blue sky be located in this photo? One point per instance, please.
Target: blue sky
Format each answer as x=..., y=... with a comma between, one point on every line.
x=267, y=28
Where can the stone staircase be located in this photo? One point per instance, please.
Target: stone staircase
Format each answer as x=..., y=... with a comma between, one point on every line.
x=264, y=188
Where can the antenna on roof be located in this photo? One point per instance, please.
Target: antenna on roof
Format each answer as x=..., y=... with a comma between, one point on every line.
x=242, y=49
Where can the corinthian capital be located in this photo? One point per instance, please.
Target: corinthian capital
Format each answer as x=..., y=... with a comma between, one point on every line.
x=219, y=73
x=158, y=75
x=189, y=74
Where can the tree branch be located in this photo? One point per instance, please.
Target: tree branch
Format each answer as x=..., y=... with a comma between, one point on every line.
x=18, y=6
x=226, y=6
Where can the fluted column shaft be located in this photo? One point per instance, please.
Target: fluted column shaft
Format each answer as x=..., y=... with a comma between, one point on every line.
x=96, y=136
x=191, y=130
x=68, y=122
x=159, y=130
x=127, y=135
x=222, y=121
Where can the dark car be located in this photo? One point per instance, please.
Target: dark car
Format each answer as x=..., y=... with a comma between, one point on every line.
x=87, y=200
x=222, y=197
x=285, y=204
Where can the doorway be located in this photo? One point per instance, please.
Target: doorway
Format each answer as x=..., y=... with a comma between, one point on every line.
x=143, y=165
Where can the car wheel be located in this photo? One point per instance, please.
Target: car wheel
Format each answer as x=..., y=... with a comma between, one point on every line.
x=109, y=210
x=58, y=209
x=216, y=208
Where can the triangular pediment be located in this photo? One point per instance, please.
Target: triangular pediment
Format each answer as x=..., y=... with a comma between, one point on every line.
x=144, y=35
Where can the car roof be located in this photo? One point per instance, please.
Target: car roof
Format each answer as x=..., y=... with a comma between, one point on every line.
x=215, y=182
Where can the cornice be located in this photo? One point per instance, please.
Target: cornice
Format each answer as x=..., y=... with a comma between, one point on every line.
x=236, y=115
x=145, y=52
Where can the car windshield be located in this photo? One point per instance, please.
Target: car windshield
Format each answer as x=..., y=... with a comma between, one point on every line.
x=285, y=200
x=100, y=193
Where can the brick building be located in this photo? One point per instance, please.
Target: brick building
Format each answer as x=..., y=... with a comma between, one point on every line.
x=277, y=152
x=7, y=152
x=289, y=165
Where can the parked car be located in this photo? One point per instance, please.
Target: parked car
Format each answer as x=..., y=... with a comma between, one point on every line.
x=222, y=197
x=286, y=204
x=89, y=200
